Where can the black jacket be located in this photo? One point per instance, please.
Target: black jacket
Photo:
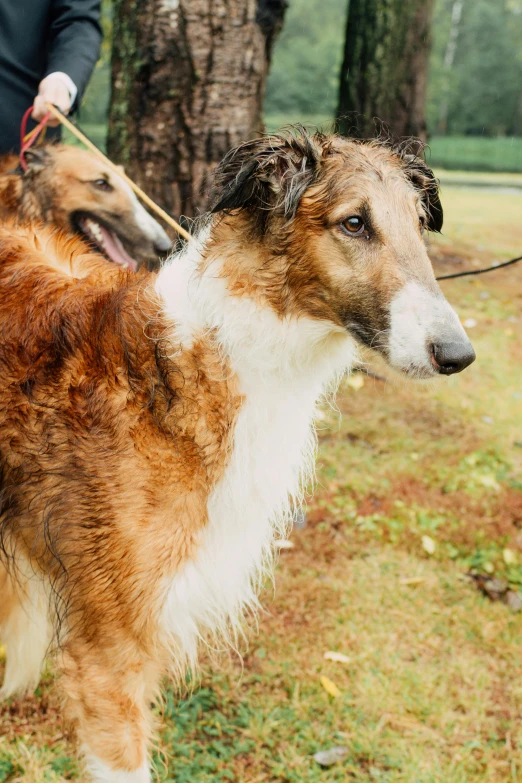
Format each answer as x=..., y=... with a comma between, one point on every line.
x=38, y=37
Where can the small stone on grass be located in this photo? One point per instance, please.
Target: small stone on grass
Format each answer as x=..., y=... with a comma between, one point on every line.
x=327, y=758
x=514, y=601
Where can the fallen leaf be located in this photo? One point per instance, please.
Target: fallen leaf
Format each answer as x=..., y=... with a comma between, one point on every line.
x=488, y=480
x=327, y=758
x=412, y=581
x=429, y=545
x=338, y=657
x=510, y=557
x=330, y=687
x=356, y=381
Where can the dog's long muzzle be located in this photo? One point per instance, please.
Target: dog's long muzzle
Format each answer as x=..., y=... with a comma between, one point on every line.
x=426, y=336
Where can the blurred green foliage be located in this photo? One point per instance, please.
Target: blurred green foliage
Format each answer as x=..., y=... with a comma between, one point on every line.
x=95, y=105
x=482, y=88
x=307, y=58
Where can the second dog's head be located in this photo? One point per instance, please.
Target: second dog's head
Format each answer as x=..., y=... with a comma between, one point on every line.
x=70, y=188
x=334, y=229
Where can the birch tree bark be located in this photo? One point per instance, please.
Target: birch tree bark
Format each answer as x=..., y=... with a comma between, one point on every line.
x=188, y=80
x=385, y=66
x=449, y=58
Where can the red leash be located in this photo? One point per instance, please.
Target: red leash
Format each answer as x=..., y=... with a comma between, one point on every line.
x=25, y=144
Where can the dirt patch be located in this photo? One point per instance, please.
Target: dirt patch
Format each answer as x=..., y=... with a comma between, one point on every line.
x=37, y=717
x=500, y=515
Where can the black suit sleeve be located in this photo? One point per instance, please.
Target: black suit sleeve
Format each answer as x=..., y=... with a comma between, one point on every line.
x=74, y=40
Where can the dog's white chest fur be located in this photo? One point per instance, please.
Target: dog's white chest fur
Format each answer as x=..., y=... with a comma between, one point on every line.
x=272, y=455
x=272, y=441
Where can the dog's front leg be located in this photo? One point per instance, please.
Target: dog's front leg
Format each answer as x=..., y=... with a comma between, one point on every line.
x=108, y=691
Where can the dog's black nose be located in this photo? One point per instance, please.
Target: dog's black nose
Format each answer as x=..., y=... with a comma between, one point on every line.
x=162, y=245
x=448, y=358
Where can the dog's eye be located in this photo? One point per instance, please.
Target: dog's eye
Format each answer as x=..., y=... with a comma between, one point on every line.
x=102, y=184
x=353, y=225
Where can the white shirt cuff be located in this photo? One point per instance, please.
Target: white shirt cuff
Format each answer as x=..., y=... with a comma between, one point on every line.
x=73, y=89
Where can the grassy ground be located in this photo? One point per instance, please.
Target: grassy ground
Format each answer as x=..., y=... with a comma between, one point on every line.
x=482, y=220
x=417, y=484
x=482, y=179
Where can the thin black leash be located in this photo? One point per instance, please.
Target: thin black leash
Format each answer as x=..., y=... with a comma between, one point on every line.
x=480, y=271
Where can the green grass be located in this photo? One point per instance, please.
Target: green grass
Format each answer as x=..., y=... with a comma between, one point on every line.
x=431, y=690
x=480, y=179
x=474, y=153
x=483, y=220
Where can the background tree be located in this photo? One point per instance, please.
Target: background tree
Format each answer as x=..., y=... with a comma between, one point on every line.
x=188, y=80
x=385, y=66
x=447, y=64
x=474, y=80
x=476, y=88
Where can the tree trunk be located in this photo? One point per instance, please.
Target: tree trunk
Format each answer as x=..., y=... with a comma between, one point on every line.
x=385, y=67
x=449, y=59
x=188, y=80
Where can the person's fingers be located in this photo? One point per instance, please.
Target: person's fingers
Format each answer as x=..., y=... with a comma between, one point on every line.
x=51, y=90
x=40, y=110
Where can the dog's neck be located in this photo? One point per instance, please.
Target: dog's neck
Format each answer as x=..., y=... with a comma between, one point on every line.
x=200, y=297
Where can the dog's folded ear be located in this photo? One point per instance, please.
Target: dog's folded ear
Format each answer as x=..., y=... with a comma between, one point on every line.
x=37, y=159
x=269, y=173
x=427, y=184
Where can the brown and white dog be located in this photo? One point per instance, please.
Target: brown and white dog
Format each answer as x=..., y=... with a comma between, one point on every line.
x=72, y=189
x=153, y=429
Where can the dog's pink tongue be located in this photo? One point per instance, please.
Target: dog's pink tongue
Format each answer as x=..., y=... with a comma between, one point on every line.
x=115, y=250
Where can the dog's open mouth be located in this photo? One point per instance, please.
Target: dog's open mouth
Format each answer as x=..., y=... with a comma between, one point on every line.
x=106, y=241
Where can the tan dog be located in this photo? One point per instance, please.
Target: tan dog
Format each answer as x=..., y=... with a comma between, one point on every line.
x=154, y=428
x=73, y=190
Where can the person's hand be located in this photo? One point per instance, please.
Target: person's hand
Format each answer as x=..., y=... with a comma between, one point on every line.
x=52, y=89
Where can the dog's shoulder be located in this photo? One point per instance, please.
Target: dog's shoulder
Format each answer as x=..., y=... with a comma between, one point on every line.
x=31, y=245
x=55, y=295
